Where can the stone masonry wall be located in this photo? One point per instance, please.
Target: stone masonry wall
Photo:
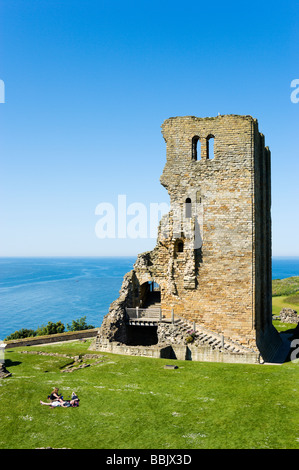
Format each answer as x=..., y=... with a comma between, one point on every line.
x=222, y=298
x=212, y=260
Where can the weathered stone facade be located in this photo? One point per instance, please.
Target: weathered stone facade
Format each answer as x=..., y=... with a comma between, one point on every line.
x=212, y=261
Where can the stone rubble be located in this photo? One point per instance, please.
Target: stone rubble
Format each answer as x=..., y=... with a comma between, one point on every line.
x=288, y=315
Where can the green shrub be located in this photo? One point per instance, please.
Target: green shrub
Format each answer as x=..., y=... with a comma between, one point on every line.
x=50, y=329
x=79, y=324
x=191, y=336
x=23, y=333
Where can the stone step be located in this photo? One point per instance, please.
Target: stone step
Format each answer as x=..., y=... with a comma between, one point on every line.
x=154, y=304
x=201, y=335
x=211, y=341
x=206, y=338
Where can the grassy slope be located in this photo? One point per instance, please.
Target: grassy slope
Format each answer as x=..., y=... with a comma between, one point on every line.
x=134, y=403
x=287, y=286
x=285, y=296
x=282, y=302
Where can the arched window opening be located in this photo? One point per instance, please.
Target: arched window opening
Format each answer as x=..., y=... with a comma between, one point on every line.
x=154, y=287
x=195, y=147
x=198, y=197
x=188, y=208
x=180, y=247
x=210, y=147
x=150, y=293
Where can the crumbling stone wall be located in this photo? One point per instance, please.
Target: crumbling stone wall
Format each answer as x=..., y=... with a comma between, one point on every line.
x=212, y=260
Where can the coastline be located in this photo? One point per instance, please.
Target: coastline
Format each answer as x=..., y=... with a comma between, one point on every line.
x=79, y=286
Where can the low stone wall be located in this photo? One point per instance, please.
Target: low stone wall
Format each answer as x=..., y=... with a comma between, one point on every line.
x=35, y=340
x=179, y=352
x=117, y=348
x=287, y=315
x=207, y=354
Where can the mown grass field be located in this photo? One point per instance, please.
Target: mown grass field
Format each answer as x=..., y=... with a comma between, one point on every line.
x=281, y=302
x=134, y=403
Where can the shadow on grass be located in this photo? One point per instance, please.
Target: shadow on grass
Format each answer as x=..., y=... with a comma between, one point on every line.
x=9, y=363
x=291, y=335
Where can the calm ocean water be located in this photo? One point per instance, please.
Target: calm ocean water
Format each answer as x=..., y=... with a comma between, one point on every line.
x=34, y=291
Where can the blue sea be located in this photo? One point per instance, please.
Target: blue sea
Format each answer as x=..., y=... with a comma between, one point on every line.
x=34, y=291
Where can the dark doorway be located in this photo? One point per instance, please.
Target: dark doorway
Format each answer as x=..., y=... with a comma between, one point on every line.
x=142, y=335
x=150, y=294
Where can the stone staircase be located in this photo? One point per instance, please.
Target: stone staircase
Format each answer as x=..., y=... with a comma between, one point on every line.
x=175, y=330
x=152, y=303
x=154, y=309
x=205, y=337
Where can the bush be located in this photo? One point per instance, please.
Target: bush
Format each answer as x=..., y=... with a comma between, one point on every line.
x=191, y=336
x=50, y=329
x=23, y=333
x=79, y=324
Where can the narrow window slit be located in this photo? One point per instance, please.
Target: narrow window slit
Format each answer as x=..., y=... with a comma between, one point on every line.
x=210, y=147
x=196, y=148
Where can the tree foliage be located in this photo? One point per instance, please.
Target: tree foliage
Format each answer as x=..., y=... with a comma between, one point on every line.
x=79, y=324
x=51, y=329
x=23, y=333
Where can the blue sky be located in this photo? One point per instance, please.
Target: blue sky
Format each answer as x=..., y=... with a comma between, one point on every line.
x=87, y=87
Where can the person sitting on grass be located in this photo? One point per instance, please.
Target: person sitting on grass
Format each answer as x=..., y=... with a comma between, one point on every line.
x=75, y=400
x=55, y=396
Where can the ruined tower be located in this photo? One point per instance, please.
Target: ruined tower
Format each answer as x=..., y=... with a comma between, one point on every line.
x=212, y=261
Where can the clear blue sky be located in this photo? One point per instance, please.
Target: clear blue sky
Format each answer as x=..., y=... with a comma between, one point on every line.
x=87, y=87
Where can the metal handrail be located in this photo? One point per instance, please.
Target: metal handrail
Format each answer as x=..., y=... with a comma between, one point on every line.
x=150, y=312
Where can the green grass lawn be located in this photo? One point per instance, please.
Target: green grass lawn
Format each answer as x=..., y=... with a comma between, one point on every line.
x=287, y=286
x=134, y=403
x=280, y=302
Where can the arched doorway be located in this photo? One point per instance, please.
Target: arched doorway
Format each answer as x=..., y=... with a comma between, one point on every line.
x=150, y=294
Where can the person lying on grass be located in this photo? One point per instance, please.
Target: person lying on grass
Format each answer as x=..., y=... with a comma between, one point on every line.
x=64, y=403
x=53, y=404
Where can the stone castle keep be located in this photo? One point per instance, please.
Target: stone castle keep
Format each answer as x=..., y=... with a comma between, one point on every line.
x=211, y=268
